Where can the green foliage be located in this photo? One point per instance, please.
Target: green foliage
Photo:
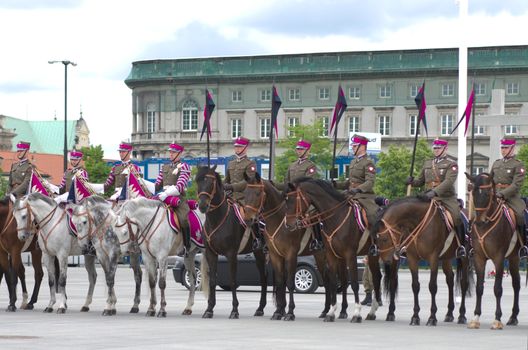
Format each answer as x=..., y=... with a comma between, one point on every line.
x=320, y=152
x=96, y=167
x=394, y=168
x=522, y=155
x=3, y=186
x=191, y=189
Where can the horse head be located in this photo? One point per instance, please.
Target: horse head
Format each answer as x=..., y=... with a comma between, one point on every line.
x=297, y=204
x=23, y=217
x=254, y=198
x=83, y=222
x=483, y=193
x=209, y=186
x=125, y=229
x=32, y=212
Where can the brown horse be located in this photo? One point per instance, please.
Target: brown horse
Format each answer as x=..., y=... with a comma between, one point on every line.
x=415, y=225
x=263, y=201
x=11, y=264
x=343, y=238
x=494, y=237
x=224, y=235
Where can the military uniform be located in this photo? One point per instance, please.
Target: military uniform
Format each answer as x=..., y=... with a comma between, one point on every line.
x=176, y=174
x=361, y=177
x=19, y=177
x=236, y=169
x=302, y=167
x=508, y=176
x=66, y=182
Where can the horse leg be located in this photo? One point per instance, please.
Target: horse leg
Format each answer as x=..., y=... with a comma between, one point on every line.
x=150, y=266
x=374, y=267
x=20, y=272
x=162, y=285
x=11, y=280
x=291, y=270
x=413, y=266
x=279, y=273
x=433, y=288
x=232, y=261
x=212, y=261
x=343, y=274
x=352, y=267
x=462, y=279
x=321, y=266
x=497, y=290
x=188, y=261
x=36, y=260
x=109, y=271
x=260, y=259
x=391, y=282
x=450, y=280
x=138, y=275
x=49, y=262
x=480, y=267
x=516, y=284
x=63, y=270
x=89, y=265
x=332, y=284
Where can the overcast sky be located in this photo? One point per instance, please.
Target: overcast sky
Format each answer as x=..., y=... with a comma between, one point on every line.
x=104, y=37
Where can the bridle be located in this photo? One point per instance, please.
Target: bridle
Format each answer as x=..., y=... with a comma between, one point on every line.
x=485, y=210
x=211, y=195
x=96, y=230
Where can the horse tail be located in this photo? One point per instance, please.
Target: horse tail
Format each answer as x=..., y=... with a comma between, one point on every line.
x=464, y=268
x=390, y=278
x=204, y=270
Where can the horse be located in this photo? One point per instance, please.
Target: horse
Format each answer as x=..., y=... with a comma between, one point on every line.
x=144, y=222
x=263, y=200
x=94, y=221
x=39, y=213
x=11, y=264
x=494, y=237
x=416, y=225
x=225, y=235
x=341, y=231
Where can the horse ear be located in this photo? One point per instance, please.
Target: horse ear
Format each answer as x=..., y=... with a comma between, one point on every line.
x=257, y=177
x=291, y=186
x=469, y=177
x=12, y=198
x=213, y=168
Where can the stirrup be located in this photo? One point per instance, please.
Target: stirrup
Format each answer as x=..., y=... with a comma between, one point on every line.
x=257, y=243
x=373, y=250
x=523, y=252
x=460, y=252
x=316, y=245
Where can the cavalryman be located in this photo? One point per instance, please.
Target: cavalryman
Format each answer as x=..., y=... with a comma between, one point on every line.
x=439, y=176
x=118, y=174
x=172, y=180
x=76, y=169
x=234, y=179
x=21, y=171
x=508, y=175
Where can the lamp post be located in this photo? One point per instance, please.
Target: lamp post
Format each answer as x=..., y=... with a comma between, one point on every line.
x=65, y=63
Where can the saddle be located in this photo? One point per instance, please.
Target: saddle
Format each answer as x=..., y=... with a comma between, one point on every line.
x=239, y=211
x=71, y=226
x=359, y=213
x=195, y=224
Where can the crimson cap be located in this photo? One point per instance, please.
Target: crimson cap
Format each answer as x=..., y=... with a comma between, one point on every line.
x=303, y=144
x=241, y=141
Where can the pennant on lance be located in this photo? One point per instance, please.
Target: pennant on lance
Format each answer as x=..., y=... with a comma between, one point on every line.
x=340, y=107
x=275, y=106
x=421, y=105
x=208, y=111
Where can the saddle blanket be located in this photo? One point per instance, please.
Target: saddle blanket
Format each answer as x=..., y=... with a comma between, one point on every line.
x=194, y=222
x=71, y=226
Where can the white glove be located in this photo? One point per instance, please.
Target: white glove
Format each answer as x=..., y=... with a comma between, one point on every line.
x=162, y=196
x=172, y=191
x=116, y=194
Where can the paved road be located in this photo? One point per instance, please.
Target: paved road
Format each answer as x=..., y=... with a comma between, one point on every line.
x=75, y=330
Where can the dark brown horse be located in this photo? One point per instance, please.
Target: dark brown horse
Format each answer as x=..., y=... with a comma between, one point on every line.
x=263, y=201
x=342, y=235
x=415, y=225
x=224, y=235
x=494, y=237
x=11, y=264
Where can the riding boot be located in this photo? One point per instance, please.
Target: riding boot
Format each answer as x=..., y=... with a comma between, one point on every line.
x=523, y=252
x=368, y=299
x=461, y=233
x=258, y=242
x=317, y=241
x=373, y=249
x=186, y=236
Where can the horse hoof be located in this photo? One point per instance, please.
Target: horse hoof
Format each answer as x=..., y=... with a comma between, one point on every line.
x=61, y=310
x=462, y=320
x=289, y=317
x=162, y=314
x=415, y=321
x=48, y=309
x=114, y=312
x=391, y=318
x=322, y=315
x=134, y=310
x=329, y=318
x=277, y=316
x=11, y=308
x=497, y=325
x=370, y=317
x=187, y=312
x=449, y=318
x=234, y=315
x=85, y=309
x=150, y=313
x=512, y=321
x=474, y=325
x=28, y=307
x=356, y=319
x=431, y=321
x=207, y=314
x=259, y=313
x=107, y=312
x=343, y=316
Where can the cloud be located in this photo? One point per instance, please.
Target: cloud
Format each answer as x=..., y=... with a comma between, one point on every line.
x=39, y=4
x=492, y=7
x=15, y=87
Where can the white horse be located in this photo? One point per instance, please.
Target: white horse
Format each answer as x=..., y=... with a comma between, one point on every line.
x=144, y=222
x=94, y=220
x=39, y=212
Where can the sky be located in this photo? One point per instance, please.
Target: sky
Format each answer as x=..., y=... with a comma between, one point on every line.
x=104, y=37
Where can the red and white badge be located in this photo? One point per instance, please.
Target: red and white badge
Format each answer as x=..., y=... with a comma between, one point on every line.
x=371, y=169
x=311, y=170
x=454, y=168
x=252, y=168
x=521, y=170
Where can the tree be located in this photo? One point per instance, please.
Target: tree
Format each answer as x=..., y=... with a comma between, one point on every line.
x=394, y=168
x=96, y=167
x=3, y=186
x=320, y=152
x=523, y=157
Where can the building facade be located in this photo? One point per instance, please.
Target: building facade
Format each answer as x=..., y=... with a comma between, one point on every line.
x=380, y=86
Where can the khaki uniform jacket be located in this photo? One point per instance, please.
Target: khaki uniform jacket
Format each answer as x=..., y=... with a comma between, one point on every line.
x=68, y=175
x=440, y=176
x=296, y=170
x=19, y=178
x=236, y=169
x=508, y=176
x=170, y=179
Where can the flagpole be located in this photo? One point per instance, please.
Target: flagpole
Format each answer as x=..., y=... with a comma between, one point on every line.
x=417, y=131
x=471, y=205
x=270, y=170
x=333, y=173
x=208, y=151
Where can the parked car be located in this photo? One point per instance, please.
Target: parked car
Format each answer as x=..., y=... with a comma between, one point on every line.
x=307, y=276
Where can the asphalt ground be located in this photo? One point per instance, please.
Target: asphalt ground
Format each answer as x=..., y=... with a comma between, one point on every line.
x=75, y=330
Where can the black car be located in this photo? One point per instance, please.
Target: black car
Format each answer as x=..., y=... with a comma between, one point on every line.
x=307, y=276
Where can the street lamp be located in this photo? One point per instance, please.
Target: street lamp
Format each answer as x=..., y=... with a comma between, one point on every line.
x=65, y=63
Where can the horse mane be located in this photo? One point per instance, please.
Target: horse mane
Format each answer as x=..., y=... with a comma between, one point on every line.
x=39, y=196
x=141, y=202
x=420, y=198
x=480, y=178
x=325, y=185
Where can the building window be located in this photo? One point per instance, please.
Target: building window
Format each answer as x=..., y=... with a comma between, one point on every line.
x=480, y=89
x=265, y=95
x=190, y=116
x=413, y=120
x=294, y=94
x=512, y=88
x=385, y=91
x=384, y=124
x=413, y=90
x=324, y=93
x=292, y=123
x=236, y=96
x=511, y=129
x=447, y=125
x=151, y=119
x=265, y=127
x=512, y=112
x=236, y=128
x=448, y=90
x=479, y=130
x=478, y=170
x=354, y=92
x=326, y=126
x=353, y=123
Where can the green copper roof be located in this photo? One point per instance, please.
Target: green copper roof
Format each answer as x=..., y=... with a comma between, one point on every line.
x=45, y=136
x=343, y=63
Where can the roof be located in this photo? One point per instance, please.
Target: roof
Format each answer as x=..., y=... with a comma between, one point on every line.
x=47, y=164
x=310, y=64
x=45, y=136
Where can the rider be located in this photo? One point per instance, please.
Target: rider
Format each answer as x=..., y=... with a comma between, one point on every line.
x=21, y=171
x=172, y=180
x=119, y=172
x=508, y=176
x=234, y=179
x=76, y=169
x=439, y=176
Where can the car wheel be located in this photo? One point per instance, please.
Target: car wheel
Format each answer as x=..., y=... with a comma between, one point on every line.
x=305, y=280
x=186, y=278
